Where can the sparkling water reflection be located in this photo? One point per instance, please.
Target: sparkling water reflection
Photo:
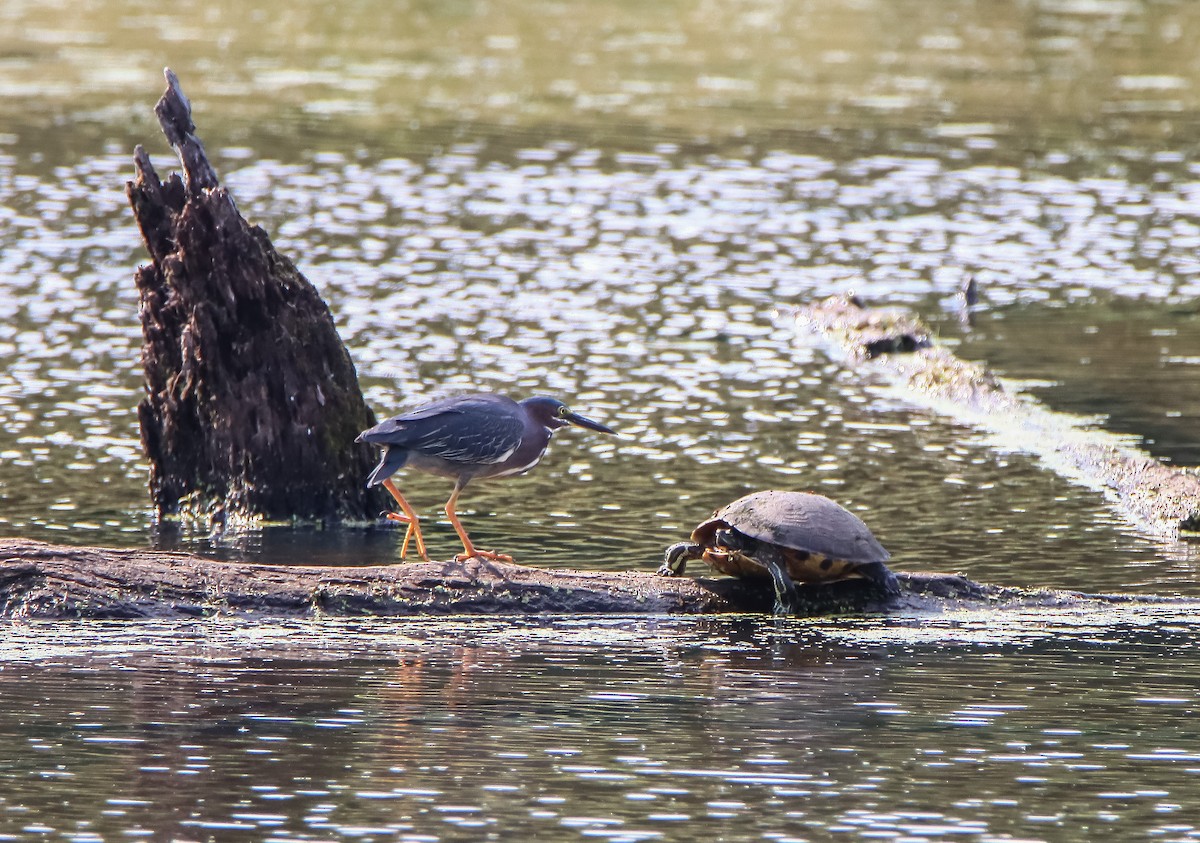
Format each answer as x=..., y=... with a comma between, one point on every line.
x=610, y=206
x=971, y=726
x=641, y=291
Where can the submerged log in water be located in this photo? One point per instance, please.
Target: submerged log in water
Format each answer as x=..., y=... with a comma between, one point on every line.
x=896, y=346
x=252, y=402
x=40, y=580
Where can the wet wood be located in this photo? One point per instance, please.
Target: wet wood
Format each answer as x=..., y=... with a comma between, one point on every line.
x=39, y=580
x=898, y=347
x=252, y=402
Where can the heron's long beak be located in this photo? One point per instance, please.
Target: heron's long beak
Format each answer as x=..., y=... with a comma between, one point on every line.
x=581, y=421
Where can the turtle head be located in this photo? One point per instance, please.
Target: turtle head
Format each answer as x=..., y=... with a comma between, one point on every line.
x=728, y=539
x=677, y=556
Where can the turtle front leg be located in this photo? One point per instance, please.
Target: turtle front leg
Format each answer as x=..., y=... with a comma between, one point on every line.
x=787, y=601
x=676, y=558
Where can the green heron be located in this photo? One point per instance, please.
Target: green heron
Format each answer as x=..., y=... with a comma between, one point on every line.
x=464, y=437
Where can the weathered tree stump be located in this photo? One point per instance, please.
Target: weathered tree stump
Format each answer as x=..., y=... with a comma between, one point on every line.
x=896, y=346
x=252, y=402
x=40, y=580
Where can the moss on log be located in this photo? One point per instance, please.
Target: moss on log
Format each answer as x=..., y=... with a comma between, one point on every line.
x=252, y=402
x=39, y=580
x=896, y=346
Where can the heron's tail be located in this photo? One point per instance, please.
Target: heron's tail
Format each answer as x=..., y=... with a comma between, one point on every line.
x=390, y=461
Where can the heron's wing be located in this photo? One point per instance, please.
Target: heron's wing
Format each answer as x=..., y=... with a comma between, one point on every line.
x=467, y=429
x=484, y=403
x=404, y=429
x=468, y=438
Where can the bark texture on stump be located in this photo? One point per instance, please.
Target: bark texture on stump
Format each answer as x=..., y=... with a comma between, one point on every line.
x=252, y=402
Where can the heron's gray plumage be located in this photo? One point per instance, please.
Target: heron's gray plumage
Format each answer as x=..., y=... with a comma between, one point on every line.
x=464, y=437
x=467, y=436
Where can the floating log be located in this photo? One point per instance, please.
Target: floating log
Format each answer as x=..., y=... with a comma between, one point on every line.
x=252, y=402
x=39, y=580
x=896, y=346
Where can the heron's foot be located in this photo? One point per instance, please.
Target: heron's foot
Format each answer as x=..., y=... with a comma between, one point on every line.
x=420, y=551
x=413, y=532
x=490, y=555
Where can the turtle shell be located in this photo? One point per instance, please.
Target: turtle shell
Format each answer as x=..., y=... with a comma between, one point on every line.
x=800, y=521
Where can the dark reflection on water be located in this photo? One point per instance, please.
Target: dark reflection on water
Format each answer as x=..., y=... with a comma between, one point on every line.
x=971, y=727
x=1130, y=364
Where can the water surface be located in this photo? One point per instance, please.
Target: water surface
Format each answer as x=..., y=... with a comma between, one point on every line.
x=1045, y=727
x=612, y=203
x=647, y=295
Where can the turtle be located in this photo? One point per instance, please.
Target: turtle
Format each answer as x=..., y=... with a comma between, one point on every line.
x=785, y=536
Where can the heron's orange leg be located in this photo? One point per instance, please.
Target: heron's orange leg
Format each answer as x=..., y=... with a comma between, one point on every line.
x=409, y=517
x=469, y=550
x=408, y=534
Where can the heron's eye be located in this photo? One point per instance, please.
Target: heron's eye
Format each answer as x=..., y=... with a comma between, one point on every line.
x=563, y=412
